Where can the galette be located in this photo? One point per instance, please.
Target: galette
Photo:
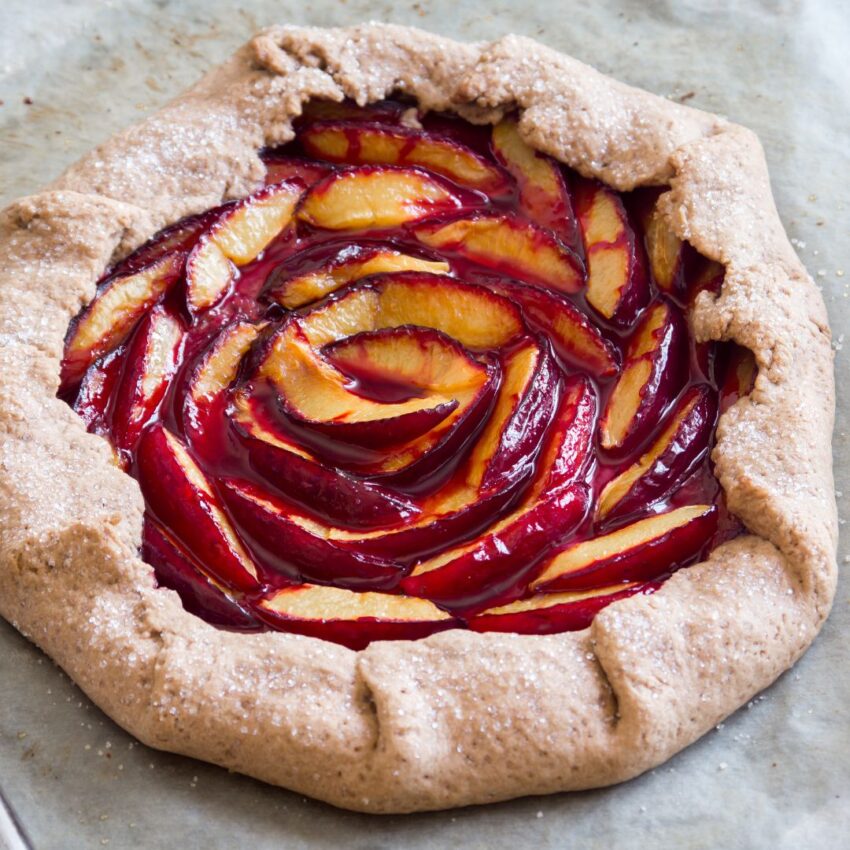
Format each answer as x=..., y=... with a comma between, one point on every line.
x=414, y=424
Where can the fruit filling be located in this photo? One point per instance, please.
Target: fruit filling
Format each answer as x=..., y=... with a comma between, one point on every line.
x=425, y=378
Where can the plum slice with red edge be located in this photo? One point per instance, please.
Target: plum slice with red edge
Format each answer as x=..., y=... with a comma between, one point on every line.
x=668, y=256
x=654, y=370
x=300, y=476
x=543, y=193
x=177, y=238
x=739, y=375
x=351, y=264
x=94, y=400
x=439, y=379
x=352, y=618
x=682, y=444
x=180, y=497
x=412, y=362
x=152, y=358
x=550, y=613
x=239, y=234
x=280, y=168
x=470, y=576
x=348, y=549
x=574, y=338
x=640, y=551
x=377, y=197
x=373, y=144
x=534, y=406
x=110, y=317
x=472, y=315
x=201, y=595
x=509, y=245
x=617, y=283
x=281, y=544
x=215, y=372
x=567, y=448
x=474, y=573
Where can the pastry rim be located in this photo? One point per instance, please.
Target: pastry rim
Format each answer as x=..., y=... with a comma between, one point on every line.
x=408, y=726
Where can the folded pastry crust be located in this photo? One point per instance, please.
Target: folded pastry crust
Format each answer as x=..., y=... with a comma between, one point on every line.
x=460, y=717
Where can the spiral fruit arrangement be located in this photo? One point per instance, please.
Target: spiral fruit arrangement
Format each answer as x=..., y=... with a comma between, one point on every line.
x=426, y=378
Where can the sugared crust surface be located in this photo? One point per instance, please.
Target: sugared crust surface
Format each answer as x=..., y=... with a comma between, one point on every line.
x=457, y=718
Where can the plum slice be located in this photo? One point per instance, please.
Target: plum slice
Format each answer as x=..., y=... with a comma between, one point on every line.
x=351, y=618
x=214, y=373
x=555, y=504
x=281, y=544
x=181, y=498
x=507, y=447
x=617, y=284
x=432, y=376
x=202, y=595
x=375, y=197
x=351, y=264
x=347, y=550
x=236, y=238
x=566, y=452
x=416, y=361
x=96, y=394
x=280, y=168
x=739, y=376
x=667, y=254
x=470, y=314
x=682, y=444
x=543, y=193
x=640, y=551
x=370, y=144
x=653, y=373
x=152, y=358
x=109, y=319
x=473, y=574
x=177, y=238
x=509, y=245
x=549, y=613
x=572, y=335
x=321, y=488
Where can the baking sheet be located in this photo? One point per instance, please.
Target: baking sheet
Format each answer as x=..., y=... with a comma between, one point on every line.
x=776, y=774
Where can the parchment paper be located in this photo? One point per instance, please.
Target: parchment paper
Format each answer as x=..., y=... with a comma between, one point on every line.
x=777, y=774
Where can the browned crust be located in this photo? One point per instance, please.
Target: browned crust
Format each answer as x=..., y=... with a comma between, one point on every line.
x=458, y=718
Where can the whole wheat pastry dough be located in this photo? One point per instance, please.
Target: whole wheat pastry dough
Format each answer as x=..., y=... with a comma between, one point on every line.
x=457, y=718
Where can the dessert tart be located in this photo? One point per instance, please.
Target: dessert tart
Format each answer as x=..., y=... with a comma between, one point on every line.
x=415, y=424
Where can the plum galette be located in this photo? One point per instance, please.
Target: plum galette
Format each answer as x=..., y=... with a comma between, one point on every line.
x=474, y=405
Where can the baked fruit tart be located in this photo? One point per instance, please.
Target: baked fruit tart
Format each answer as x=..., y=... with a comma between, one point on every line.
x=414, y=424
